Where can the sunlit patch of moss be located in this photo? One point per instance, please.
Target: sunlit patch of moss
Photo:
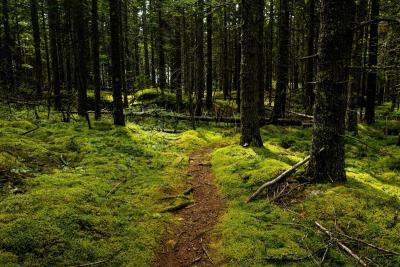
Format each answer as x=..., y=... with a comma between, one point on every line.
x=259, y=233
x=88, y=195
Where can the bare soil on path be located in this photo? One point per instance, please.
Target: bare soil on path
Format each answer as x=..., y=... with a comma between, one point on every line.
x=187, y=242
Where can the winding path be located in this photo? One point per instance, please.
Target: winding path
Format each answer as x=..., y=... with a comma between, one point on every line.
x=188, y=243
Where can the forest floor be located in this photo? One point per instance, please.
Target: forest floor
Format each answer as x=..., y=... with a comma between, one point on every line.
x=187, y=243
x=70, y=196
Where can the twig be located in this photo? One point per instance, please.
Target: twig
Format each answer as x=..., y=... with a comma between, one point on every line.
x=343, y=246
x=205, y=251
x=115, y=188
x=178, y=207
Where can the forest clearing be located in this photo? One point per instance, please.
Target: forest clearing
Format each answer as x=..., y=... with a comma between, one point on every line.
x=199, y=133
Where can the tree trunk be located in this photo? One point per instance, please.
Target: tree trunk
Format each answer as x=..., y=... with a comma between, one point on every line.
x=96, y=59
x=252, y=19
x=372, y=61
x=176, y=66
x=145, y=42
x=81, y=39
x=309, y=85
x=355, y=78
x=283, y=62
x=46, y=46
x=115, y=21
x=38, y=54
x=269, y=51
x=53, y=22
x=261, y=67
x=225, y=72
x=9, y=72
x=335, y=43
x=199, y=57
x=161, y=54
x=209, y=57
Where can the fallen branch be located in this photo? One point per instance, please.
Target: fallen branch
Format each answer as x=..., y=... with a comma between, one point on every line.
x=178, y=207
x=279, y=178
x=89, y=264
x=343, y=246
x=30, y=131
x=171, y=131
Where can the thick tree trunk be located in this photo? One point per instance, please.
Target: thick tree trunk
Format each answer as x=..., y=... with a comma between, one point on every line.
x=310, y=69
x=372, y=61
x=283, y=62
x=46, y=46
x=209, y=82
x=261, y=67
x=115, y=21
x=53, y=22
x=81, y=62
x=225, y=70
x=237, y=59
x=38, y=54
x=252, y=19
x=96, y=59
x=199, y=57
x=355, y=78
x=335, y=43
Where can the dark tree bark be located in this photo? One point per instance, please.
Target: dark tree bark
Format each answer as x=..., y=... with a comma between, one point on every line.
x=335, y=42
x=283, y=62
x=115, y=21
x=80, y=26
x=398, y=141
x=124, y=51
x=53, y=22
x=199, y=57
x=355, y=78
x=160, y=43
x=372, y=61
x=46, y=46
x=269, y=51
x=38, y=54
x=261, y=68
x=238, y=59
x=252, y=46
x=176, y=66
x=309, y=85
x=96, y=59
x=209, y=83
x=9, y=72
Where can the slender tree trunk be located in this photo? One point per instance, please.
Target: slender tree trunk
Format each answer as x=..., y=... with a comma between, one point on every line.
x=96, y=60
x=373, y=61
x=123, y=52
x=252, y=46
x=145, y=42
x=115, y=21
x=209, y=83
x=199, y=57
x=335, y=42
x=225, y=72
x=355, y=78
x=283, y=62
x=9, y=72
x=46, y=47
x=161, y=54
x=269, y=52
x=38, y=54
x=176, y=66
x=309, y=86
x=238, y=59
x=261, y=68
x=53, y=22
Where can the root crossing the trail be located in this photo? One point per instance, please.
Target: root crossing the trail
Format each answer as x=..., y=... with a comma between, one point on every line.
x=187, y=245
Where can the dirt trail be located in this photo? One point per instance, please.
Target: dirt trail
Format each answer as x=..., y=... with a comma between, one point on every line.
x=192, y=236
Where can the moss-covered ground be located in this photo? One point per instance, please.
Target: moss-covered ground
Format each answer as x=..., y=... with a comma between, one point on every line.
x=70, y=195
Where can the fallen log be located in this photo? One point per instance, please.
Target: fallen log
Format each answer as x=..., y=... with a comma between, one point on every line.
x=267, y=121
x=343, y=246
x=279, y=178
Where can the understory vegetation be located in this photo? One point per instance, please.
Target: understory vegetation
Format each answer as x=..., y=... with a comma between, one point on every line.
x=71, y=196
